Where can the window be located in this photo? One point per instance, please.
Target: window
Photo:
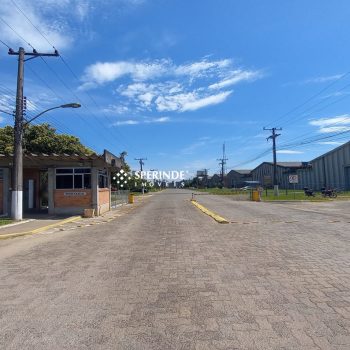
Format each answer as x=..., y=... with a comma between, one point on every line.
x=102, y=179
x=69, y=178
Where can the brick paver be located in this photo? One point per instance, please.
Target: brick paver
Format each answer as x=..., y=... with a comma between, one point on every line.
x=166, y=276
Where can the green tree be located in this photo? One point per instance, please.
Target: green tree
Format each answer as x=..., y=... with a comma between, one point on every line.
x=42, y=138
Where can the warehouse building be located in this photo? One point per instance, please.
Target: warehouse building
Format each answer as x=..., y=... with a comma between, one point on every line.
x=237, y=178
x=264, y=173
x=61, y=184
x=330, y=170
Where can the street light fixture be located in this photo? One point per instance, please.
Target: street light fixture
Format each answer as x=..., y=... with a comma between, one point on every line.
x=68, y=105
x=17, y=169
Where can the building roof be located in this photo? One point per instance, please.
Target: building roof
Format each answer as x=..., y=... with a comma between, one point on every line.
x=289, y=164
x=240, y=171
x=333, y=150
x=107, y=159
x=243, y=171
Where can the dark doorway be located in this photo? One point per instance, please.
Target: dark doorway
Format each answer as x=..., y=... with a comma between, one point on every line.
x=43, y=190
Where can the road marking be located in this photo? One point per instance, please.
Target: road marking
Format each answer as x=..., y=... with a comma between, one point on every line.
x=41, y=229
x=213, y=215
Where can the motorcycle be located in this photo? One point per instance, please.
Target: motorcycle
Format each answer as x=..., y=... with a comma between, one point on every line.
x=309, y=192
x=331, y=193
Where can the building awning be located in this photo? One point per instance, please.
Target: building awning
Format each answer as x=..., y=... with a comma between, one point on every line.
x=43, y=160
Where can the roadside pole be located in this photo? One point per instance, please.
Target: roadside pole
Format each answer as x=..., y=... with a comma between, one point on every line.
x=17, y=169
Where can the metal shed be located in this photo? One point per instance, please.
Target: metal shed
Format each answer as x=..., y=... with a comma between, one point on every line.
x=331, y=170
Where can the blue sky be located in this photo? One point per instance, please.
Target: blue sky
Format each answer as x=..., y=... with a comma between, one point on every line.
x=172, y=80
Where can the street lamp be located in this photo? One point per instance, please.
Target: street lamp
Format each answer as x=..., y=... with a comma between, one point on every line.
x=68, y=105
x=17, y=169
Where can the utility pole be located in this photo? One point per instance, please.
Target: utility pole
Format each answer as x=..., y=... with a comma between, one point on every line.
x=206, y=177
x=142, y=163
x=17, y=169
x=273, y=138
x=222, y=163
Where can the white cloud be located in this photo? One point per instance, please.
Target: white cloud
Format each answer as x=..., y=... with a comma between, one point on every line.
x=39, y=13
x=158, y=120
x=203, y=67
x=323, y=79
x=236, y=77
x=103, y=72
x=334, y=143
x=116, y=109
x=127, y=122
x=162, y=85
x=189, y=101
x=331, y=129
x=144, y=120
x=2, y=119
x=289, y=151
x=332, y=124
x=61, y=21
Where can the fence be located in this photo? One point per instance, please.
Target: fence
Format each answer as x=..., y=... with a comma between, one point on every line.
x=119, y=198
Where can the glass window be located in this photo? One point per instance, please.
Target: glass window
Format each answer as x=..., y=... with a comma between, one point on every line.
x=70, y=178
x=64, y=181
x=87, y=180
x=102, y=179
x=78, y=181
x=82, y=171
x=64, y=171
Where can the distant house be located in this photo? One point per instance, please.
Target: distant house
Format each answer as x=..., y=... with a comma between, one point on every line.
x=331, y=169
x=264, y=173
x=237, y=178
x=214, y=181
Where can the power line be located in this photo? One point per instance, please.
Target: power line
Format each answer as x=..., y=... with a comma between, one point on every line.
x=19, y=35
x=309, y=99
x=67, y=66
x=54, y=72
x=4, y=44
x=23, y=13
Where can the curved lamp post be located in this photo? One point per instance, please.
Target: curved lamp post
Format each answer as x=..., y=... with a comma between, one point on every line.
x=17, y=169
x=68, y=105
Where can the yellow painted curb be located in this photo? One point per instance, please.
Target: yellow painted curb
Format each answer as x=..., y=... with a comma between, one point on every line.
x=41, y=229
x=216, y=217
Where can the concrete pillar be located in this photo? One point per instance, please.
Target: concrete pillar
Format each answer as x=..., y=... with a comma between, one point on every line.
x=51, y=189
x=109, y=179
x=94, y=189
x=6, y=192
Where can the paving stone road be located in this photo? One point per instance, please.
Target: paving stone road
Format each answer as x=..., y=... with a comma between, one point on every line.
x=166, y=276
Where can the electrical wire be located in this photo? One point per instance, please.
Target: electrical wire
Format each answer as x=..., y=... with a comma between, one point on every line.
x=2, y=42
x=65, y=63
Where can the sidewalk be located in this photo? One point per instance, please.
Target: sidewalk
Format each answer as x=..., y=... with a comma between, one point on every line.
x=35, y=223
x=38, y=223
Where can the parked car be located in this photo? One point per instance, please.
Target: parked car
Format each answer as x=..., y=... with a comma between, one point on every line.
x=246, y=188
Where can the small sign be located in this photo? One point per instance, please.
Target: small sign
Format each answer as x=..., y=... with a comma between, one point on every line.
x=74, y=194
x=293, y=179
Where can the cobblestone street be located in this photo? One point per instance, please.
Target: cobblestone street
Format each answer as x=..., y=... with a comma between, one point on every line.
x=166, y=276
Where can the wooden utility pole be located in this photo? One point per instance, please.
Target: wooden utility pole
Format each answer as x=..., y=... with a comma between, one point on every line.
x=17, y=168
x=222, y=163
x=273, y=137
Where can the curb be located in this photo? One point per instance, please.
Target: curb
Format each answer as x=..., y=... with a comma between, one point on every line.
x=40, y=229
x=214, y=216
x=16, y=224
